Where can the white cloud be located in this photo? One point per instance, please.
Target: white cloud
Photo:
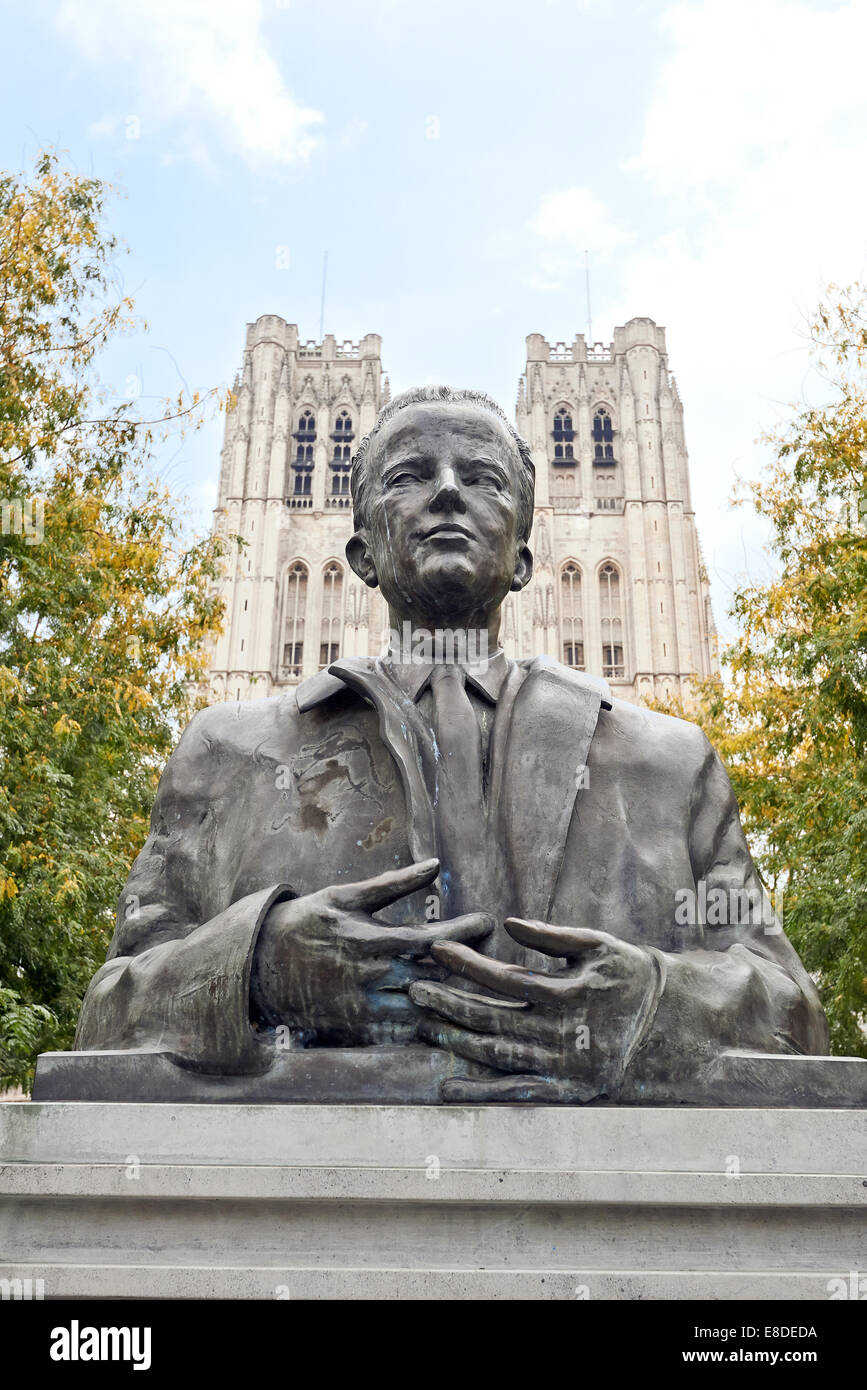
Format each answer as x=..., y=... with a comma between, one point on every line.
x=755, y=141
x=191, y=62
x=577, y=218
x=571, y=221
x=748, y=80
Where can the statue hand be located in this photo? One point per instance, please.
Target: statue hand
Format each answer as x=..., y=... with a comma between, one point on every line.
x=323, y=963
x=570, y=1035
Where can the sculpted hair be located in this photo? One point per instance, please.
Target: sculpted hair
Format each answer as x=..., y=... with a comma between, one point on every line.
x=419, y=395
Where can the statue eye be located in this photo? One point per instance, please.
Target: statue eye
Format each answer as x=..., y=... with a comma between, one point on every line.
x=485, y=476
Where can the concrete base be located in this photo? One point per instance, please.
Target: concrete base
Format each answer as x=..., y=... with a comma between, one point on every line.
x=368, y=1201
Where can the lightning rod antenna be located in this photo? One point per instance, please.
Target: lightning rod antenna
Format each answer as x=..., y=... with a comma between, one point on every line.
x=322, y=306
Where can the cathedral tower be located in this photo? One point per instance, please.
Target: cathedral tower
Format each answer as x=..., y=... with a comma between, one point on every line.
x=292, y=603
x=620, y=589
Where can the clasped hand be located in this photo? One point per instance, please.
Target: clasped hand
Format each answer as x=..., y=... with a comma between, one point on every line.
x=325, y=966
x=564, y=1036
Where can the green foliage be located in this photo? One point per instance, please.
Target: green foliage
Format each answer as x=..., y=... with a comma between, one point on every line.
x=105, y=607
x=790, y=720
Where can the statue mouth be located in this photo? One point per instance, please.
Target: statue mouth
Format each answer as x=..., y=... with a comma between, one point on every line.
x=448, y=530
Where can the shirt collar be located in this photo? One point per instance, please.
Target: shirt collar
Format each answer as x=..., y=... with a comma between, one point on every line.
x=485, y=677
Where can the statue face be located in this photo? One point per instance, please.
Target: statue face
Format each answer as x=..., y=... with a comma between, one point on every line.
x=442, y=536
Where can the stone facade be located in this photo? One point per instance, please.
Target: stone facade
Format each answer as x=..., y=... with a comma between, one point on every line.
x=619, y=589
x=619, y=585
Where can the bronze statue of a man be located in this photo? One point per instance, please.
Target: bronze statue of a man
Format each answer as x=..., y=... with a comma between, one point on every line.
x=482, y=857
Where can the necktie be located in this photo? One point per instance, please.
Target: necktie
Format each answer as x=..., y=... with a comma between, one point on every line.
x=458, y=801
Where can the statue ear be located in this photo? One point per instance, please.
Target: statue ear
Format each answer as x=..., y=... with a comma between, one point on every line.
x=359, y=556
x=523, y=569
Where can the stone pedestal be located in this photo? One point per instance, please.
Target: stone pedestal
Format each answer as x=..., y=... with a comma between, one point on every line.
x=422, y=1201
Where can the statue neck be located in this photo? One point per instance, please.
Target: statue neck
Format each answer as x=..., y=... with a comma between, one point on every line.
x=480, y=631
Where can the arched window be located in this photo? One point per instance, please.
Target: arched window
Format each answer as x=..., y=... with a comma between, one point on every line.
x=294, y=609
x=341, y=458
x=332, y=614
x=603, y=437
x=572, y=616
x=302, y=466
x=611, y=615
x=563, y=436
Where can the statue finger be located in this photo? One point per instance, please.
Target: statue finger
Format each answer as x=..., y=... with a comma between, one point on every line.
x=470, y=926
x=399, y=972
x=571, y=942
x=471, y=1010
x=378, y=938
x=505, y=1054
x=370, y=894
x=513, y=980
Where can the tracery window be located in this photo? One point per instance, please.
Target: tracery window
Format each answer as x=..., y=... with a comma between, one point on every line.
x=302, y=466
x=332, y=614
x=294, y=610
x=341, y=458
x=603, y=436
x=564, y=436
x=611, y=616
x=572, y=616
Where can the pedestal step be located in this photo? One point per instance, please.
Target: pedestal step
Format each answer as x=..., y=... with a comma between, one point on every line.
x=202, y=1201
x=446, y=1285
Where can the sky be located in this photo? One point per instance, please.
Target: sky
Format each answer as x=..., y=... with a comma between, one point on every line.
x=455, y=159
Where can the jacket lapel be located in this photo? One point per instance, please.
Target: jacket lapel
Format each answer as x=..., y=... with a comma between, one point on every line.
x=399, y=727
x=552, y=726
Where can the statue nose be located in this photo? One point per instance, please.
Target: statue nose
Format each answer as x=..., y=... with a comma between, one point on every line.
x=447, y=493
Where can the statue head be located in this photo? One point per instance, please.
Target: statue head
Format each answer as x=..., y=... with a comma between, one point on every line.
x=442, y=491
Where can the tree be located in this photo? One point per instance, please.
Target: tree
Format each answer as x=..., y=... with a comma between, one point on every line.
x=105, y=606
x=790, y=719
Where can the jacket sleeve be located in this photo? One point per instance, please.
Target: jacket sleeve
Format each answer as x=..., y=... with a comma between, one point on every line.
x=177, y=980
x=745, y=988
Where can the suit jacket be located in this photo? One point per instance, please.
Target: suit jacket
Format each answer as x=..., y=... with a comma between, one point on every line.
x=321, y=785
